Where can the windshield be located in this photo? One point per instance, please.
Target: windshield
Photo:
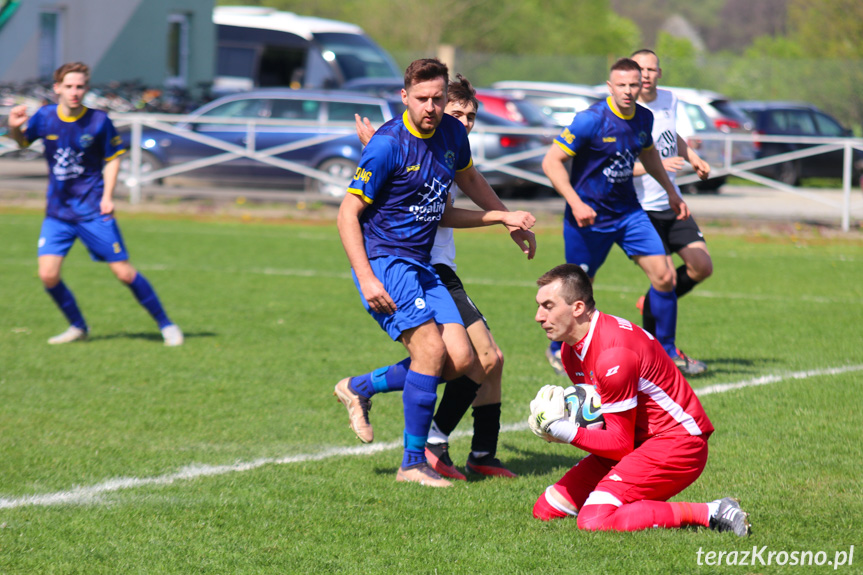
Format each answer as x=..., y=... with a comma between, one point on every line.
x=357, y=56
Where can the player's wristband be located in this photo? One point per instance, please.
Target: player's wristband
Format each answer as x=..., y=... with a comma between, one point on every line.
x=563, y=430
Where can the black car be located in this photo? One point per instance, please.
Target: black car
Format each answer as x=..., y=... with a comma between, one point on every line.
x=798, y=120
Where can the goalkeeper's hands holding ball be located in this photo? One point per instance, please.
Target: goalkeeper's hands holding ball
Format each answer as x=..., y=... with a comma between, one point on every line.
x=548, y=419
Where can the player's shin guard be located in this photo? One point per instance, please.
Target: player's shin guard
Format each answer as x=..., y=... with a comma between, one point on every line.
x=382, y=380
x=664, y=307
x=486, y=428
x=684, y=283
x=419, y=399
x=65, y=300
x=458, y=394
x=146, y=296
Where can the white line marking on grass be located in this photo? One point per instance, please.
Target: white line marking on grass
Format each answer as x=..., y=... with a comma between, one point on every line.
x=84, y=495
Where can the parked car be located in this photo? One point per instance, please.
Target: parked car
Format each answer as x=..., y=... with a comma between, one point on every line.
x=799, y=119
x=558, y=101
x=318, y=113
x=726, y=117
x=315, y=111
x=385, y=87
x=512, y=108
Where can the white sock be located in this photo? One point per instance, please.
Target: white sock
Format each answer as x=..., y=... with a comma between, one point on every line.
x=713, y=508
x=436, y=436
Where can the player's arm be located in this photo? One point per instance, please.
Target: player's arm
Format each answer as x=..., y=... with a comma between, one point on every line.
x=351, y=235
x=477, y=188
x=109, y=175
x=672, y=164
x=701, y=167
x=653, y=164
x=554, y=164
x=454, y=217
x=18, y=125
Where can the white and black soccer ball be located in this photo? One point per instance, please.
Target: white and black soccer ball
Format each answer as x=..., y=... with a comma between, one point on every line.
x=583, y=407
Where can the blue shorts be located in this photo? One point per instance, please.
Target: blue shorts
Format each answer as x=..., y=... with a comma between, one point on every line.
x=588, y=247
x=417, y=291
x=101, y=236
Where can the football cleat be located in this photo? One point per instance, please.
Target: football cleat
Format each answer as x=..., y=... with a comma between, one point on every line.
x=438, y=457
x=422, y=474
x=71, y=334
x=358, y=410
x=730, y=517
x=172, y=335
x=639, y=305
x=487, y=465
x=555, y=361
x=688, y=365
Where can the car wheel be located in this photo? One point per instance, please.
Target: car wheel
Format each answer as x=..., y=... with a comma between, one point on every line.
x=341, y=168
x=788, y=173
x=149, y=163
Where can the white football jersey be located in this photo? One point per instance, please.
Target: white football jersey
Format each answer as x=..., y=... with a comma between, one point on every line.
x=443, y=250
x=651, y=195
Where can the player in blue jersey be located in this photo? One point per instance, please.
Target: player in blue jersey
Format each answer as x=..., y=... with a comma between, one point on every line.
x=603, y=144
x=483, y=394
x=82, y=149
x=387, y=223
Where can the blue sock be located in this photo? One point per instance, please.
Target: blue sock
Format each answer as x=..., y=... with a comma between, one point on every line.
x=65, y=300
x=555, y=346
x=663, y=305
x=419, y=399
x=147, y=297
x=382, y=380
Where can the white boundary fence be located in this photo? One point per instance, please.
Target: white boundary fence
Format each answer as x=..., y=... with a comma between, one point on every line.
x=225, y=151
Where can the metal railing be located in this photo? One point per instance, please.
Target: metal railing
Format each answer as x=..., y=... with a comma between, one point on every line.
x=226, y=151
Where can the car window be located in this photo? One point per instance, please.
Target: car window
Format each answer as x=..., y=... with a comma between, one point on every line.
x=344, y=112
x=697, y=117
x=800, y=122
x=248, y=108
x=295, y=109
x=827, y=126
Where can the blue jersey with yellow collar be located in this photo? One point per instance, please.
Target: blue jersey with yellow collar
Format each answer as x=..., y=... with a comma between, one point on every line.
x=604, y=145
x=77, y=149
x=405, y=177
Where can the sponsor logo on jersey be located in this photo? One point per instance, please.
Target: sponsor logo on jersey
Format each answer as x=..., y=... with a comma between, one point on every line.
x=362, y=175
x=615, y=477
x=612, y=371
x=85, y=141
x=609, y=139
x=67, y=164
x=51, y=137
x=414, y=168
x=431, y=205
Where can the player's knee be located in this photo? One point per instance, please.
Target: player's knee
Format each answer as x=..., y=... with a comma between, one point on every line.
x=49, y=278
x=595, y=517
x=491, y=361
x=702, y=271
x=124, y=272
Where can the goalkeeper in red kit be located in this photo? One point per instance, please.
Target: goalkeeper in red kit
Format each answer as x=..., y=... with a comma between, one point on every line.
x=654, y=443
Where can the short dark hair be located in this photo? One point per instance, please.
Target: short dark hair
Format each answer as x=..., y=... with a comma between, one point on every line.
x=575, y=284
x=460, y=90
x=72, y=68
x=424, y=70
x=645, y=52
x=625, y=65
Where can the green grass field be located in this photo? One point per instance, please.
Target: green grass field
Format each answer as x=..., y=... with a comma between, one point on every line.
x=230, y=454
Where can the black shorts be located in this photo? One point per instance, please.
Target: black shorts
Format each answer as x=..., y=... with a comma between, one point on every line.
x=675, y=234
x=470, y=314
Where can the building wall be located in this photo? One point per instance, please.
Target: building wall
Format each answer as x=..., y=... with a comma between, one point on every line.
x=121, y=40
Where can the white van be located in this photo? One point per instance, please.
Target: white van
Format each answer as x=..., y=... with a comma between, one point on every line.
x=263, y=47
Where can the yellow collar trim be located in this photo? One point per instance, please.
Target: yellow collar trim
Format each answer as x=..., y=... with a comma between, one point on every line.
x=413, y=130
x=65, y=118
x=617, y=112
